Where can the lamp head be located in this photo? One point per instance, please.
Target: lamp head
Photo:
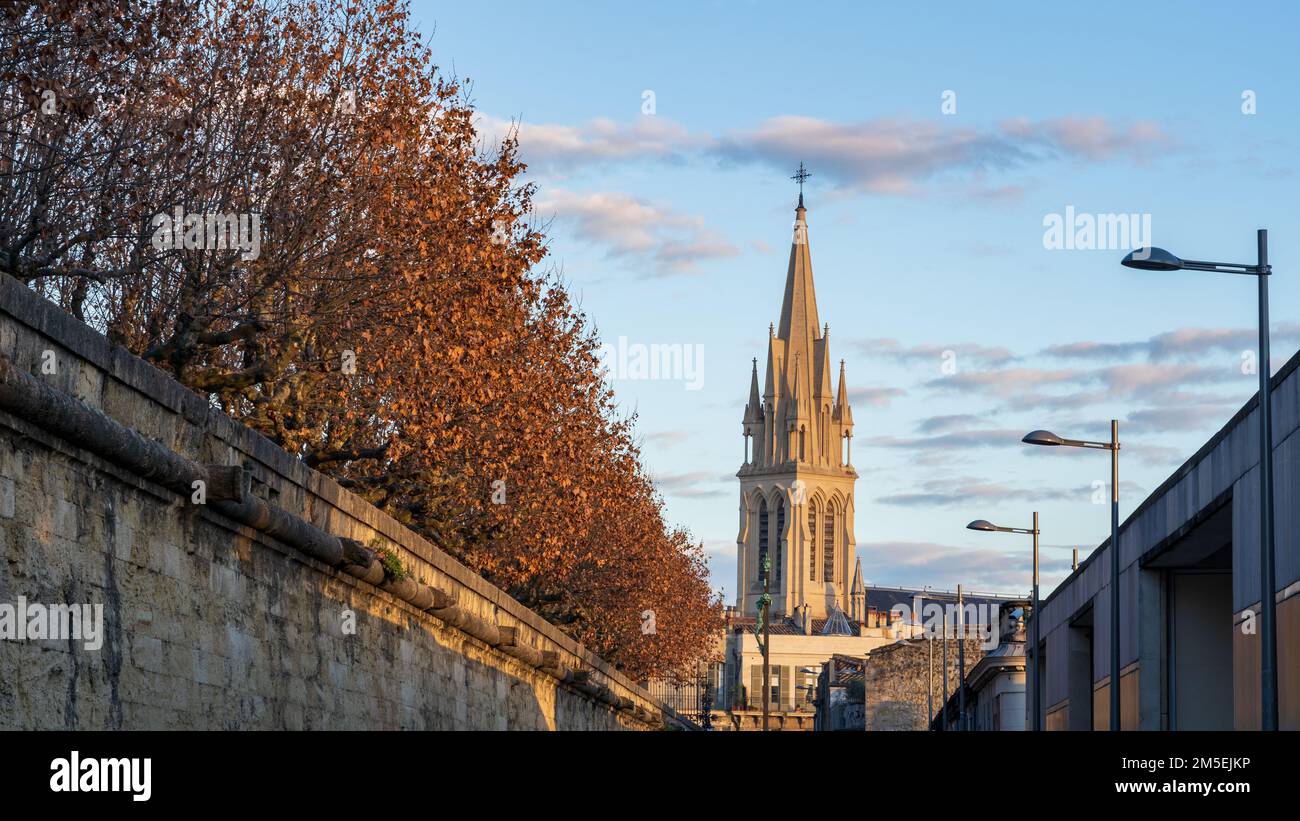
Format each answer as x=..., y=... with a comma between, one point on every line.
x=1042, y=437
x=982, y=524
x=1152, y=259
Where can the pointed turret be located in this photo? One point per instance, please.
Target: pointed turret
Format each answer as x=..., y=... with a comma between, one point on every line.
x=753, y=410
x=822, y=388
x=769, y=383
x=858, y=593
x=843, y=412
x=753, y=423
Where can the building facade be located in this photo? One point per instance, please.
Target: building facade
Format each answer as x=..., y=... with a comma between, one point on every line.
x=1189, y=593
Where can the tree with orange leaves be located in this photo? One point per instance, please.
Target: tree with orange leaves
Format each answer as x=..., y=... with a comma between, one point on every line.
x=390, y=325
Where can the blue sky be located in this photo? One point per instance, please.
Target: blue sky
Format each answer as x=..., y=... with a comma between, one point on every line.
x=927, y=235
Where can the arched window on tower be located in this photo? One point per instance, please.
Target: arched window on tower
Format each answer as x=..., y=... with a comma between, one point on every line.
x=780, y=541
x=812, y=541
x=802, y=457
x=762, y=539
x=828, y=544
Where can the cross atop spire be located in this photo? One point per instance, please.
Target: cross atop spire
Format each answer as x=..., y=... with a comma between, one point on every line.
x=800, y=177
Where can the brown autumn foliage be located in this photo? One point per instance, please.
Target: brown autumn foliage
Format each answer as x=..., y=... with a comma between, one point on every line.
x=392, y=326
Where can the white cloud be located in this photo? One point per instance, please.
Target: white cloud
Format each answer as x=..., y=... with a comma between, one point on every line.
x=551, y=149
x=913, y=564
x=880, y=156
x=957, y=353
x=875, y=397
x=894, y=156
x=652, y=237
x=1182, y=343
x=694, y=484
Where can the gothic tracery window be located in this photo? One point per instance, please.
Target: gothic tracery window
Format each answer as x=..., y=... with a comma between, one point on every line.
x=828, y=544
x=762, y=538
x=780, y=540
x=812, y=541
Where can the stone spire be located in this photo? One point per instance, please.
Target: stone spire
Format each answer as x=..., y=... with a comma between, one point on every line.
x=799, y=324
x=754, y=410
x=796, y=491
x=843, y=412
x=799, y=405
x=857, y=594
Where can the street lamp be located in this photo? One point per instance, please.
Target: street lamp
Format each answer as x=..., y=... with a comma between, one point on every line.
x=1158, y=259
x=763, y=634
x=988, y=527
x=1046, y=437
x=943, y=705
x=811, y=688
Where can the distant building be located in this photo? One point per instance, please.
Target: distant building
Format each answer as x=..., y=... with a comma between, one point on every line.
x=902, y=686
x=995, y=686
x=840, y=695
x=799, y=647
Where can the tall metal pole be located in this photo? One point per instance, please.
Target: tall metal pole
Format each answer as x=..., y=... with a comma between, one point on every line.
x=767, y=646
x=929, y=679
x=961, y=661
x=1038, y=684
x=866, y=713
x=944, y=705
x=1114, y=575
x=1267, y=603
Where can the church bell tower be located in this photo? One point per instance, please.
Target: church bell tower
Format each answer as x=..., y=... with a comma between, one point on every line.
x=796, y=483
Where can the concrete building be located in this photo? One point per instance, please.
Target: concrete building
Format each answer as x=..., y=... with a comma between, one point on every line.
x=1189, y=593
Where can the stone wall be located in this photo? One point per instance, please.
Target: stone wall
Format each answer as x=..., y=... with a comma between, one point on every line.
x=896, y=690
x=209, y=623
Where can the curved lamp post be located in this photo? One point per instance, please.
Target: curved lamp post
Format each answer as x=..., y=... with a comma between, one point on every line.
x=988, y=527
x=1158, y=259
x=1046, y=437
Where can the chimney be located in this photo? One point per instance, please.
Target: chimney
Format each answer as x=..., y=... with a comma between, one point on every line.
x=807, y=620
